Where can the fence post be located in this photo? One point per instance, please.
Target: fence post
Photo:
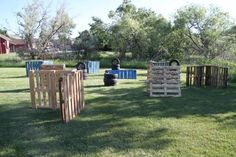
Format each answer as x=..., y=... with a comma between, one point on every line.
x=62, y=108
x=187, y=76
x=32, y=86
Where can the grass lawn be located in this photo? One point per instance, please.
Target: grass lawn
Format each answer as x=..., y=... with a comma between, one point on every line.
x=119, y=121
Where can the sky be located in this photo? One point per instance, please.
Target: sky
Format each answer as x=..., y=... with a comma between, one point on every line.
x=81, y=11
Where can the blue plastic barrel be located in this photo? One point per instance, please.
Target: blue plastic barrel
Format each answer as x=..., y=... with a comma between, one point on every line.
x=36, y=65
x=93, y=67
x=124, y=74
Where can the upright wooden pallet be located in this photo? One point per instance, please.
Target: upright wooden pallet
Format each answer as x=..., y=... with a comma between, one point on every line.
x=206, y=75
x=44, y=85
x=165, y=81
x=71, y=96
x=149, y=66
x=58, y=89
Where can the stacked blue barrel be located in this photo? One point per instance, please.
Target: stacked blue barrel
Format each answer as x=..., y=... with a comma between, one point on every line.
x=121, y=73
x=88, y=67
x=36, y=65
x=111, y=76
x=92, y=67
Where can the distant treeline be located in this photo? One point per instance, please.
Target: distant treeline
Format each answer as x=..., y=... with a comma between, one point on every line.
x=194, y=30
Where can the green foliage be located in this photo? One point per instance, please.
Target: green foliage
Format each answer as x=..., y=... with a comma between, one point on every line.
x=84, y=43
x=195, y=30
x=139, y=31
x=3, y=32
x=204, y=29
x=101, y=34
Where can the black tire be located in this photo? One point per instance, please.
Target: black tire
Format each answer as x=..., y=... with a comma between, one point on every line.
x=115, y=61
x=174, y=61
x=115, y=67
x=85, y=74
x=110, y=76
x=81, y=66
x=109, y=79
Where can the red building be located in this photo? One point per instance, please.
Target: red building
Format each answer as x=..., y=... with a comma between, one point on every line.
x=8, y=44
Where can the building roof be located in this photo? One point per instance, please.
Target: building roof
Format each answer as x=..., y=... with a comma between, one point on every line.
x=4, y=37
x=14, y=41
x=17, y=41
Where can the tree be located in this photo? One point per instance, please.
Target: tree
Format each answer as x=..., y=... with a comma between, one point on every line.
x=85, y=43
x=3, y=32
x=139, y=31
x=101, y=34
x=36, y=26
x=204, y=28
x=123, y=27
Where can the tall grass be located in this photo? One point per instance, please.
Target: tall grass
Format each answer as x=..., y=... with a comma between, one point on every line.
x=11, y=60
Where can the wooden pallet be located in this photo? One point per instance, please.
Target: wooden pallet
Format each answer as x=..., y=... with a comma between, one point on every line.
x=164, y=81
x=207, y=75
x=53, y=67
x=44, y=85
x=58, y=89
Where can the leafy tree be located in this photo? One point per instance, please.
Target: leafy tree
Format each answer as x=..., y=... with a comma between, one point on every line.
x=204, y=28
x=85, y=43
x=139, y=31
x=3, y=32
x=124, y=27
x=101, y=34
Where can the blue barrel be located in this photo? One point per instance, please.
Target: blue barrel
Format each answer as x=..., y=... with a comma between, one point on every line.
x=35, y=65
x=124, y=74
x=92, y=67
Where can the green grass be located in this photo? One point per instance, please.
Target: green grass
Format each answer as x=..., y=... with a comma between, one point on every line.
x=119, y=121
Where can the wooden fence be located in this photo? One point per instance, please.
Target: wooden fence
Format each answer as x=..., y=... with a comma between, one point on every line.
x=45, y=91
x=206, y=75
x=164, y=81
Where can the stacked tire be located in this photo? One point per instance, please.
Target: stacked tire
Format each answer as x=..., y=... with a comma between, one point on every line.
x=175, y=61
x=82, y=66
x=110, y=79
x=115, y=64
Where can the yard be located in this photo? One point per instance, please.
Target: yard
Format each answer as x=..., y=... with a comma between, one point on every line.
x=119, y=121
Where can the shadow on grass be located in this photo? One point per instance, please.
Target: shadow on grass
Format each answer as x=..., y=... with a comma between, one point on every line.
x=104, y=124
x=93, y=86
x=24, y=76
x=136, y=102
x=24, y=90
x=32, y=132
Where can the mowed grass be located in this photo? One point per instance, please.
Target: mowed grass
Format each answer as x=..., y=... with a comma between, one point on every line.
x=119, y=121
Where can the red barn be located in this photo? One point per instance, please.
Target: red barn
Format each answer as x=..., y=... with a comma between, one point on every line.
x=8, y=44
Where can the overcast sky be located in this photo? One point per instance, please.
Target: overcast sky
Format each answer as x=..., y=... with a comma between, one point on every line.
x=82, y=10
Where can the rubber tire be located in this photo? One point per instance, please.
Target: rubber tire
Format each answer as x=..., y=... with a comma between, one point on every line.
x=115, y=67
x=109, y=79
x=115, y=61
x=173, y=61
x=81, y=66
